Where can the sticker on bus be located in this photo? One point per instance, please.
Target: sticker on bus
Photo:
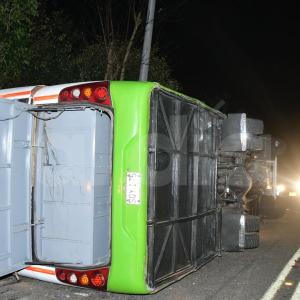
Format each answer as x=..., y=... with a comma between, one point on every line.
x=133, y=188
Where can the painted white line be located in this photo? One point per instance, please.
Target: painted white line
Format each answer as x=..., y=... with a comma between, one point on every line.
x=296, y=295
x=271, y=292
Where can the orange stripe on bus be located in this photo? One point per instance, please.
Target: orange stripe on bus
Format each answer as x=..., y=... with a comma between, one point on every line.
x=26, y=93
x=40, y=270
x=45, y=97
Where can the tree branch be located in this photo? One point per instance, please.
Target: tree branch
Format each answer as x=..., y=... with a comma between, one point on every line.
x=137, y=23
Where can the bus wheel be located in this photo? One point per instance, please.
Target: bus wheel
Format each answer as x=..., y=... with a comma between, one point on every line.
x=252, y=223
x=251, y=240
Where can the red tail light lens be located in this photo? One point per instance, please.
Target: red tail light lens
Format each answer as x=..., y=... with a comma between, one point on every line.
x=88, y=278
x=64, y=95
x=98, y=280
x=95, y=92
x=62, y=276
x=100, y=93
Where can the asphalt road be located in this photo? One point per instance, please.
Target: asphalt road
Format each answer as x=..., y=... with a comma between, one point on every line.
x=246, y=275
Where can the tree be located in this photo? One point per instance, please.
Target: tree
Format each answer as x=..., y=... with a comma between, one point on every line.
x=120, y=31
x=16, y=26
x=43, y=45
x=36, y=45
x=91, y=64
x=52, y=51
x=120, y=28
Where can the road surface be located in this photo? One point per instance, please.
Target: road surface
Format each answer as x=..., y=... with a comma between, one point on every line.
x=247, y=275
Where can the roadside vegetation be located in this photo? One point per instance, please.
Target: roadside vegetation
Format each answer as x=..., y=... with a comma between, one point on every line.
x=40, y=43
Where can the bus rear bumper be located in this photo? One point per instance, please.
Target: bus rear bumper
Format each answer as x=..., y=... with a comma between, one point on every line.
x=43, y=273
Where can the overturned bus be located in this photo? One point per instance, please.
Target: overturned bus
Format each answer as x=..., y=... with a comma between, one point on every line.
x=123, y=186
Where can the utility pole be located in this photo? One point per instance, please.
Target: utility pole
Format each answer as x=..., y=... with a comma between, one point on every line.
x=147, y=41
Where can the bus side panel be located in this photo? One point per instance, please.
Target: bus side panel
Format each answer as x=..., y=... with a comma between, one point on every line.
x=129, y=221
x=183, y=215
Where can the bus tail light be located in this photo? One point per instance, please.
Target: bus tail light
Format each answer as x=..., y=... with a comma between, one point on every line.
x=95, y=92
x=72, y=278
x=84, y=280
x=96, y=278
x=62, y=276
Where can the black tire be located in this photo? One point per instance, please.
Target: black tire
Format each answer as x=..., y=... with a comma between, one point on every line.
x=251, y=240
x=252, y=223
x=255, y=126
x=232, y=125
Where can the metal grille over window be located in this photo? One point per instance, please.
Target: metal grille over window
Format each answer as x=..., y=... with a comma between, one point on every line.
x=182, y=211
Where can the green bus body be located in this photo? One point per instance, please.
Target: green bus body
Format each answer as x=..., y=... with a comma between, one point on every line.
x=129, y=233
x=131, y=104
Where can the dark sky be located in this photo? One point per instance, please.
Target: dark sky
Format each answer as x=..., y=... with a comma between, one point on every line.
x=245, y=52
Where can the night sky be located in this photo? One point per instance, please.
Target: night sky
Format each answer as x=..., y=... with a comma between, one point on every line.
x=244, y=52
x=248, y=54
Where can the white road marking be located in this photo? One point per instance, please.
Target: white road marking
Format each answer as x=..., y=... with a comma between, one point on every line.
x=296, y=295
x=271, y=292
